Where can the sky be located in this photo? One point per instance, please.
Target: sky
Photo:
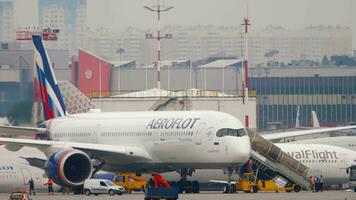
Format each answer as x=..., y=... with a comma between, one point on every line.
x=293, y=14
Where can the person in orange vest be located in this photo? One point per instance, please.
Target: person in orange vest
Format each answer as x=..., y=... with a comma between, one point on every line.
x=50, y=186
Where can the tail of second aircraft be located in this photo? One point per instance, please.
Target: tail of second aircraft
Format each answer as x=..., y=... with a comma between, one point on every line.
x=315, y=120
x=53, y=104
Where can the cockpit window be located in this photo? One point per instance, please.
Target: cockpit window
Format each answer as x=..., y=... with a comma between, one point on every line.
x=231, y=132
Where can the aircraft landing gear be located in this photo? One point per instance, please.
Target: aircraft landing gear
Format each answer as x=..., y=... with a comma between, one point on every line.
x=97, y=168
x=230, y=187
x=187, y=186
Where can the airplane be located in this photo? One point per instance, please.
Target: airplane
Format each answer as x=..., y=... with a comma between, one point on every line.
x=322, y=159
x=15, y=171
x=159, y=141
x=127, y=141
x=347, y=142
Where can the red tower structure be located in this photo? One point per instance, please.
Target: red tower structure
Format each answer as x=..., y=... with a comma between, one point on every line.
x=159, y=37
x=246, y=23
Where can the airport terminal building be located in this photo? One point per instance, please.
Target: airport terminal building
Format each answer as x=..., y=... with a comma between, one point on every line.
x=277, y=92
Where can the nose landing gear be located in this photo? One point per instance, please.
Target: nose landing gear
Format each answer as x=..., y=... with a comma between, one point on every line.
x=187, y=186
x=230, y=187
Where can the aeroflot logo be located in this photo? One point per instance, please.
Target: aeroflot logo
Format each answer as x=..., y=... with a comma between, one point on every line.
x=6, y=168
x=172, y=123
x=313, y=154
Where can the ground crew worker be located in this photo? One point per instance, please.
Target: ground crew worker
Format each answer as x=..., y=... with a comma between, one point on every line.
x=312, y=183
x=321, y=183
x=66, y=189
x=50, y=186
x=32, y=187
x=317, y=184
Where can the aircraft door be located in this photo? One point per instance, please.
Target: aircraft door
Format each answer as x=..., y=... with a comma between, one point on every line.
x=199, y=133
x=96, y=134
x=26, y=175
x=156, y=137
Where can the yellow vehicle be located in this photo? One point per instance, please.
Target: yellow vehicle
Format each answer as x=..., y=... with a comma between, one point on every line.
x=249, y=183
x=130, y=182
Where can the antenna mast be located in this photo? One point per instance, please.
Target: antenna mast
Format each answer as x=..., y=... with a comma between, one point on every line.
x=158, y=10
x=246, y=23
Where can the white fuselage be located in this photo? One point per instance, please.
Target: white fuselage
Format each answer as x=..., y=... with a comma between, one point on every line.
x=347, y=142
x=15, y=172
x=173, y=140
x=327, y=160
x=330, y=161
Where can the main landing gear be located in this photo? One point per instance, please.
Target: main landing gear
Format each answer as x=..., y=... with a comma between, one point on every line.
x=184, y=185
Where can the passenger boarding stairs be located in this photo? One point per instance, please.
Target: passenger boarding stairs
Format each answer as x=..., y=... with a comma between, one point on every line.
x=272, y=161
x=162, y=103
x=171, y=102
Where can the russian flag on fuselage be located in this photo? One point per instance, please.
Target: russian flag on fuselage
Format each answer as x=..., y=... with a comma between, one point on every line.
x=52, y=100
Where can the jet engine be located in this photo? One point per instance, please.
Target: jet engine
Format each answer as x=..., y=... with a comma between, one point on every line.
x=69, y=167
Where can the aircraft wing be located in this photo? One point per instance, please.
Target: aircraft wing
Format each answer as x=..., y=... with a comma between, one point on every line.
x=107, y=153
x=20, y=130
x=288, y=134
x=35, y=162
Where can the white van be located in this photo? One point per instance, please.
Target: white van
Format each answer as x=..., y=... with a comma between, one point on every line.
x=102, y=186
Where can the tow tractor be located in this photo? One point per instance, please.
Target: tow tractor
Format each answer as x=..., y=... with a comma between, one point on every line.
x=352, y=177
x=159, y=188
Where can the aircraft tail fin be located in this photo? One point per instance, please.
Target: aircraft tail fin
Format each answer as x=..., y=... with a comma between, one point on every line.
x=51, y=97
x=315, y=120
x=75, y=101
x=297, y=123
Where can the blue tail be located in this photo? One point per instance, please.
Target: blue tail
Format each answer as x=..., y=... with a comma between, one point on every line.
x=52, y=100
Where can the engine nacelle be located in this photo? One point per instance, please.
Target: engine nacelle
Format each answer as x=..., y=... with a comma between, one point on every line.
x=69, y=167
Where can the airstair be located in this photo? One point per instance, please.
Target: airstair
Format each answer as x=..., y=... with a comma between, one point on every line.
x=162, y=103
x=272, y=161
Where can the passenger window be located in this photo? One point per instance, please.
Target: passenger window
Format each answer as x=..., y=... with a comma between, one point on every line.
x=102, y=183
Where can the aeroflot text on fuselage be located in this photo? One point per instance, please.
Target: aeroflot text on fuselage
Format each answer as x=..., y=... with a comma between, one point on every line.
x=313, y=154
x=172, y=123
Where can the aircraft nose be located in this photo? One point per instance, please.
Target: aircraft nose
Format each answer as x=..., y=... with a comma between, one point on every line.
x=240, y=149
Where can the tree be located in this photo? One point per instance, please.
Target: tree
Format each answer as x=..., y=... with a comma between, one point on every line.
x=325, y=61
x=21, y=112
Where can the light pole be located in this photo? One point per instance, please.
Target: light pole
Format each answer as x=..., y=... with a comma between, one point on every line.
x=158, y=10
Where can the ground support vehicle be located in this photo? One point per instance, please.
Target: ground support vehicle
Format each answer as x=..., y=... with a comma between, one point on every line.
x=130, y=182
x=352, y=177
x=19, y=196
x=158, y=188
x=102, y=186
x=249, y=183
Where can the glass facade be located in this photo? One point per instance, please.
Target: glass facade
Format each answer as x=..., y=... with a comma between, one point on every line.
x=278, y=99
x=9, y=96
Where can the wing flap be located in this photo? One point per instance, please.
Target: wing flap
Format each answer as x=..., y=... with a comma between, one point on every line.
x=20, y=130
